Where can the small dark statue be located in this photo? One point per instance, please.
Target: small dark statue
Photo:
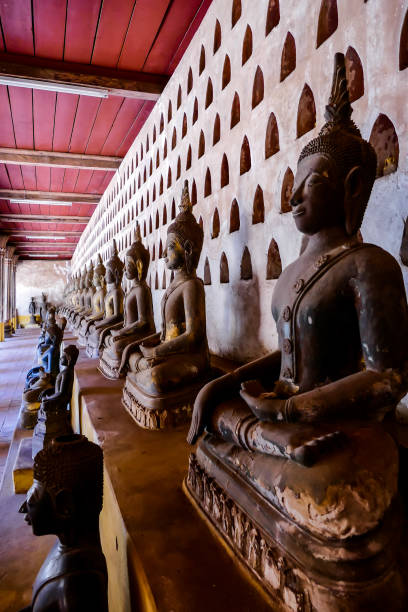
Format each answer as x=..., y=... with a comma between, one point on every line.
x=294, y=440
x=168, y=369
x=119, y=340
x=66, y=499
x=31, y=309
x=53, y=416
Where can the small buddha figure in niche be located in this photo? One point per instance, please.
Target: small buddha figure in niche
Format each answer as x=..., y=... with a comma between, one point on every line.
x=298, y=431
x=138, y=320
x=88, y=295
x=113, y=304
x=98, y=301
x=66, y=500
x=53, y=415
x=167, y=370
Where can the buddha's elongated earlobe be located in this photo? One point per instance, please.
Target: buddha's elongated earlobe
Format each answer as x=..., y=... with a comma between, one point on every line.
x=353, y=191
x=188, y=252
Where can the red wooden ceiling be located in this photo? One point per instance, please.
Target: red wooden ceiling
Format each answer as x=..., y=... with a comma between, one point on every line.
x=140, y=35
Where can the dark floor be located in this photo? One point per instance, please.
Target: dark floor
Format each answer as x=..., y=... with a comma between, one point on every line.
x=16, y=358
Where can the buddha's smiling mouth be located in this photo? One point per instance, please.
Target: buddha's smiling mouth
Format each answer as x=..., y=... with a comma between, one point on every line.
x=298, y=211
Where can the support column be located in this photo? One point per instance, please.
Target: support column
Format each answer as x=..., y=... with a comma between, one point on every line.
x=3, y=241
x=14, y=291
x=8, y=328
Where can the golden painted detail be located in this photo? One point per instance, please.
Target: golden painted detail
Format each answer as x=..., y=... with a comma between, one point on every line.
x=153, y=418
x=173, y=330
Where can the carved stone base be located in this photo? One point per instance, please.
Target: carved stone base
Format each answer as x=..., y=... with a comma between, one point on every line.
x=109, y=367
x=155, y=418
x=92, y=351
x=82, y=339
x=297, y=570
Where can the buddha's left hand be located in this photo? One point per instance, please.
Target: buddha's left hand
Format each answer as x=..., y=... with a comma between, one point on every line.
x=266, y=406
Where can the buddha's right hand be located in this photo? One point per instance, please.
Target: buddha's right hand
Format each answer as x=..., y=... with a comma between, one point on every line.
x=208, y=398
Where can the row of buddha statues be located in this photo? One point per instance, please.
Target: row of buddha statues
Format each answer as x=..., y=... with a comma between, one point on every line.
x=65, y=498
x=297, y=457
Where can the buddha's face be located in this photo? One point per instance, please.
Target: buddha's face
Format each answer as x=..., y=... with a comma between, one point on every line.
x=318, y=195
x=109, y=276
x=130, y=267
x=39, y=510
x=175, y=256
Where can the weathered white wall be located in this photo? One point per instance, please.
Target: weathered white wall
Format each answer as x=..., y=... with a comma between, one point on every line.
x=239, y=320
x=35, y=277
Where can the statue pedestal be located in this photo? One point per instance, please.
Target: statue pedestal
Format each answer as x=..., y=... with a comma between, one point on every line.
x=23, y=467
x=296, y=567
x=109, y=367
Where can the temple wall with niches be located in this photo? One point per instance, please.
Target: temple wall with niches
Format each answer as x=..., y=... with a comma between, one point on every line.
x=248, y=94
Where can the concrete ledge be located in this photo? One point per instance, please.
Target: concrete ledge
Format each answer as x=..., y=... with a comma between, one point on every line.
x=160, y=555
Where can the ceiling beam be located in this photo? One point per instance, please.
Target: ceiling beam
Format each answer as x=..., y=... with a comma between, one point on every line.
x=11, y=218
x=24, y=232
x=31, y=244
x=56, y=196
x=126, y=83
x=27, y=157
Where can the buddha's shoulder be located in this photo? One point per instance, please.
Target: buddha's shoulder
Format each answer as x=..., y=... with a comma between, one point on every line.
x=372, y=256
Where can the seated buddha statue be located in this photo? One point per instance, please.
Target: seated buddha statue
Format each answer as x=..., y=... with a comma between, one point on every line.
x=138, y=321
x=98, y=301
x=296, y=470
x=65, y=500
x=113, y=304
x=167, y=370
x=87, y=308
x=53, y=415
x=80, y=297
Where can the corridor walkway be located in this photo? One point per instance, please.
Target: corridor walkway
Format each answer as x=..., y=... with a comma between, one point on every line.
x=16, y=357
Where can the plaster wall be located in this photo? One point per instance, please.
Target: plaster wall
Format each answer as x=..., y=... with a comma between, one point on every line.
x=36, y=277
x=239, y=320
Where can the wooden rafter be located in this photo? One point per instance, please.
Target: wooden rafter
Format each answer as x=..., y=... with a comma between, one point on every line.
x=11, y=218
x=56, y=196
x=126, y=83
x=51, y=232
x=27, y=157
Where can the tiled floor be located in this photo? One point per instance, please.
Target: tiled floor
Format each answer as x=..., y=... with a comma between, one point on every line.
x=16, y=358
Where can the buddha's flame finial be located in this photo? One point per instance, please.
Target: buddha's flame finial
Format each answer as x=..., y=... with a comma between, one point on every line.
x=339, y=109
x=138, y=236
x=100, y=262
x=185, y=204
x=114, y=248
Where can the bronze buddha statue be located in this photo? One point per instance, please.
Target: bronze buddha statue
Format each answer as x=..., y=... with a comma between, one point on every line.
x=98, y=300
x=168, y=369
x=31, y=401
x=138, y=320
x=53, y=415
x=88, y=295
x=79, y=297
x=295, y=453
x=113, y=303
x=66, y=500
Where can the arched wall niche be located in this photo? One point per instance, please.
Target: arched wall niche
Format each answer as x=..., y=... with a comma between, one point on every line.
x=217, y=37
x=194, y=193
x=246, y=265
x=258, y=208
x=188, y=160
x=207, y=272
x=224, y=180
x=235, y=111
x=189, y=81
x=207, y=184
x=201, y=145
x=209, y=96
x=288, y=59
x=355, y=74
x=226, y=72
x=384, y=139
x=236, y=12
x=164, y=285
x=306, y=117
x=258, y=88
x=201, y=67
x=328, y=21
x=403, y=50
x=217, y=129
x=224, y=269
x=195, y=111
x=245, y=158
x=247, y=45
x=272, y=16
x=286, y=192
x=215, y=224
x=179, y=97
x=234, y=217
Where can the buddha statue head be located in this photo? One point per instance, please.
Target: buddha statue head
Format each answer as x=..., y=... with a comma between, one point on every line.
x=336, y=170
x=184, y=237
x=114, y=267
x=69, y=356
x=82, y=279
x=66, y=495
x=137, y=259
x=99, y=273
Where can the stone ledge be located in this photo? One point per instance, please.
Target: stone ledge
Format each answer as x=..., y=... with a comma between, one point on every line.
x=160, y=555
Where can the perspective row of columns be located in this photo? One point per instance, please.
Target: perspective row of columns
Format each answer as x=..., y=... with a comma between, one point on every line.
x=8, y=265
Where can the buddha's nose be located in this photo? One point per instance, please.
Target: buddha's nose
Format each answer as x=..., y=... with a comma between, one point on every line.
x=296, y=197
x=23, y=508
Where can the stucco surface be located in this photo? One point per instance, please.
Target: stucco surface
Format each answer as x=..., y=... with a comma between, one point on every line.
x=35, y=277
